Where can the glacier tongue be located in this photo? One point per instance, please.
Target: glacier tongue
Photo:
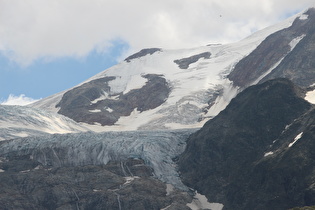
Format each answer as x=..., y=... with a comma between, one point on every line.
x=156, y=148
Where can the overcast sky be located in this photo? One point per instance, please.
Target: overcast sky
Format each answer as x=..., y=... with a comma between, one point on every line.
x=47, y=46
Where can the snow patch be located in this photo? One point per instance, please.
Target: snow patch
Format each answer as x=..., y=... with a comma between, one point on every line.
x=295, y=41
x=201, y=202
x=303, y=17
x=109, y=110
x=296, y=139
x=1, y=170
x=268, y=153
x=118, y=85
x=95, y=110
x=101, y=98
x=37, y=167
x=129, y=179
x=287, y=126
x=310, y=96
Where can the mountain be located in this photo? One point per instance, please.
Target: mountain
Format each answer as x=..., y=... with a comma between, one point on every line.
x=171, y=89
x=258, y=153
x=232, y=122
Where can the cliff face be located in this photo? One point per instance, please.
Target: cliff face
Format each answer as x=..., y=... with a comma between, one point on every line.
x=257, y=153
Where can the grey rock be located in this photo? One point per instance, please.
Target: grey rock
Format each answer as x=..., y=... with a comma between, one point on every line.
x=185, y=62
x=143, y=53
x=76, y=103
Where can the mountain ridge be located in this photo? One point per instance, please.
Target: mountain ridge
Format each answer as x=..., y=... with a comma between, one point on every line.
x=197, y=79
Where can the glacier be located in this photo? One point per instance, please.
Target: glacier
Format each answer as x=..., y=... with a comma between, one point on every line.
x=22, y=121
x=158, y=149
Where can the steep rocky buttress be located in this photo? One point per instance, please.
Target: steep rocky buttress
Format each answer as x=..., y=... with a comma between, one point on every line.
x=258, y=153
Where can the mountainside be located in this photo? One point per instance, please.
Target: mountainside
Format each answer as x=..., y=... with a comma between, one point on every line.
x=258, y=153
x=170, y=89
x=287, y=53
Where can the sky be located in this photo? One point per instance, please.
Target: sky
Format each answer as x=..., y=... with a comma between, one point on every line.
x=49, y=46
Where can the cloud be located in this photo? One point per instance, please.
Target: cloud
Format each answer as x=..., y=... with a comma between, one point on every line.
x=35, y=29
x=21, y=100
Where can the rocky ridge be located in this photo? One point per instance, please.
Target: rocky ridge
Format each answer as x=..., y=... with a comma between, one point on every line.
x=258, y=152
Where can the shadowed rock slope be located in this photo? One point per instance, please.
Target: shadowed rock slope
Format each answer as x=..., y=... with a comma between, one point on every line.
x=27, y=184
x=258, y=153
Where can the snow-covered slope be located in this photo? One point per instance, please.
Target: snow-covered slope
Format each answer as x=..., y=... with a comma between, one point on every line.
x=21, y=121
x=194, y=82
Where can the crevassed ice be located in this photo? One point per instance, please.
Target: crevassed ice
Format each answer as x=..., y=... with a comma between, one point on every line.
x=156, y=148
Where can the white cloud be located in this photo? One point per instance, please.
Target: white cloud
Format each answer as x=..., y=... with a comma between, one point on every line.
x=21, y=100
x=43, y=28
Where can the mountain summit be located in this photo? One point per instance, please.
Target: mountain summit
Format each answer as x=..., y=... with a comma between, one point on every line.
x=170, y=89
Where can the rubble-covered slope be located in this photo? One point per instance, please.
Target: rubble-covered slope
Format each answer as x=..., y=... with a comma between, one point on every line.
x=27, y=184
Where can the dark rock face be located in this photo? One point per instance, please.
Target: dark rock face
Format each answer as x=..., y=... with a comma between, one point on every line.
x=297, y=65
x=77, y=103
x=142, y=53
x=185, y=62
x=228, y=161
x=26, y=184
